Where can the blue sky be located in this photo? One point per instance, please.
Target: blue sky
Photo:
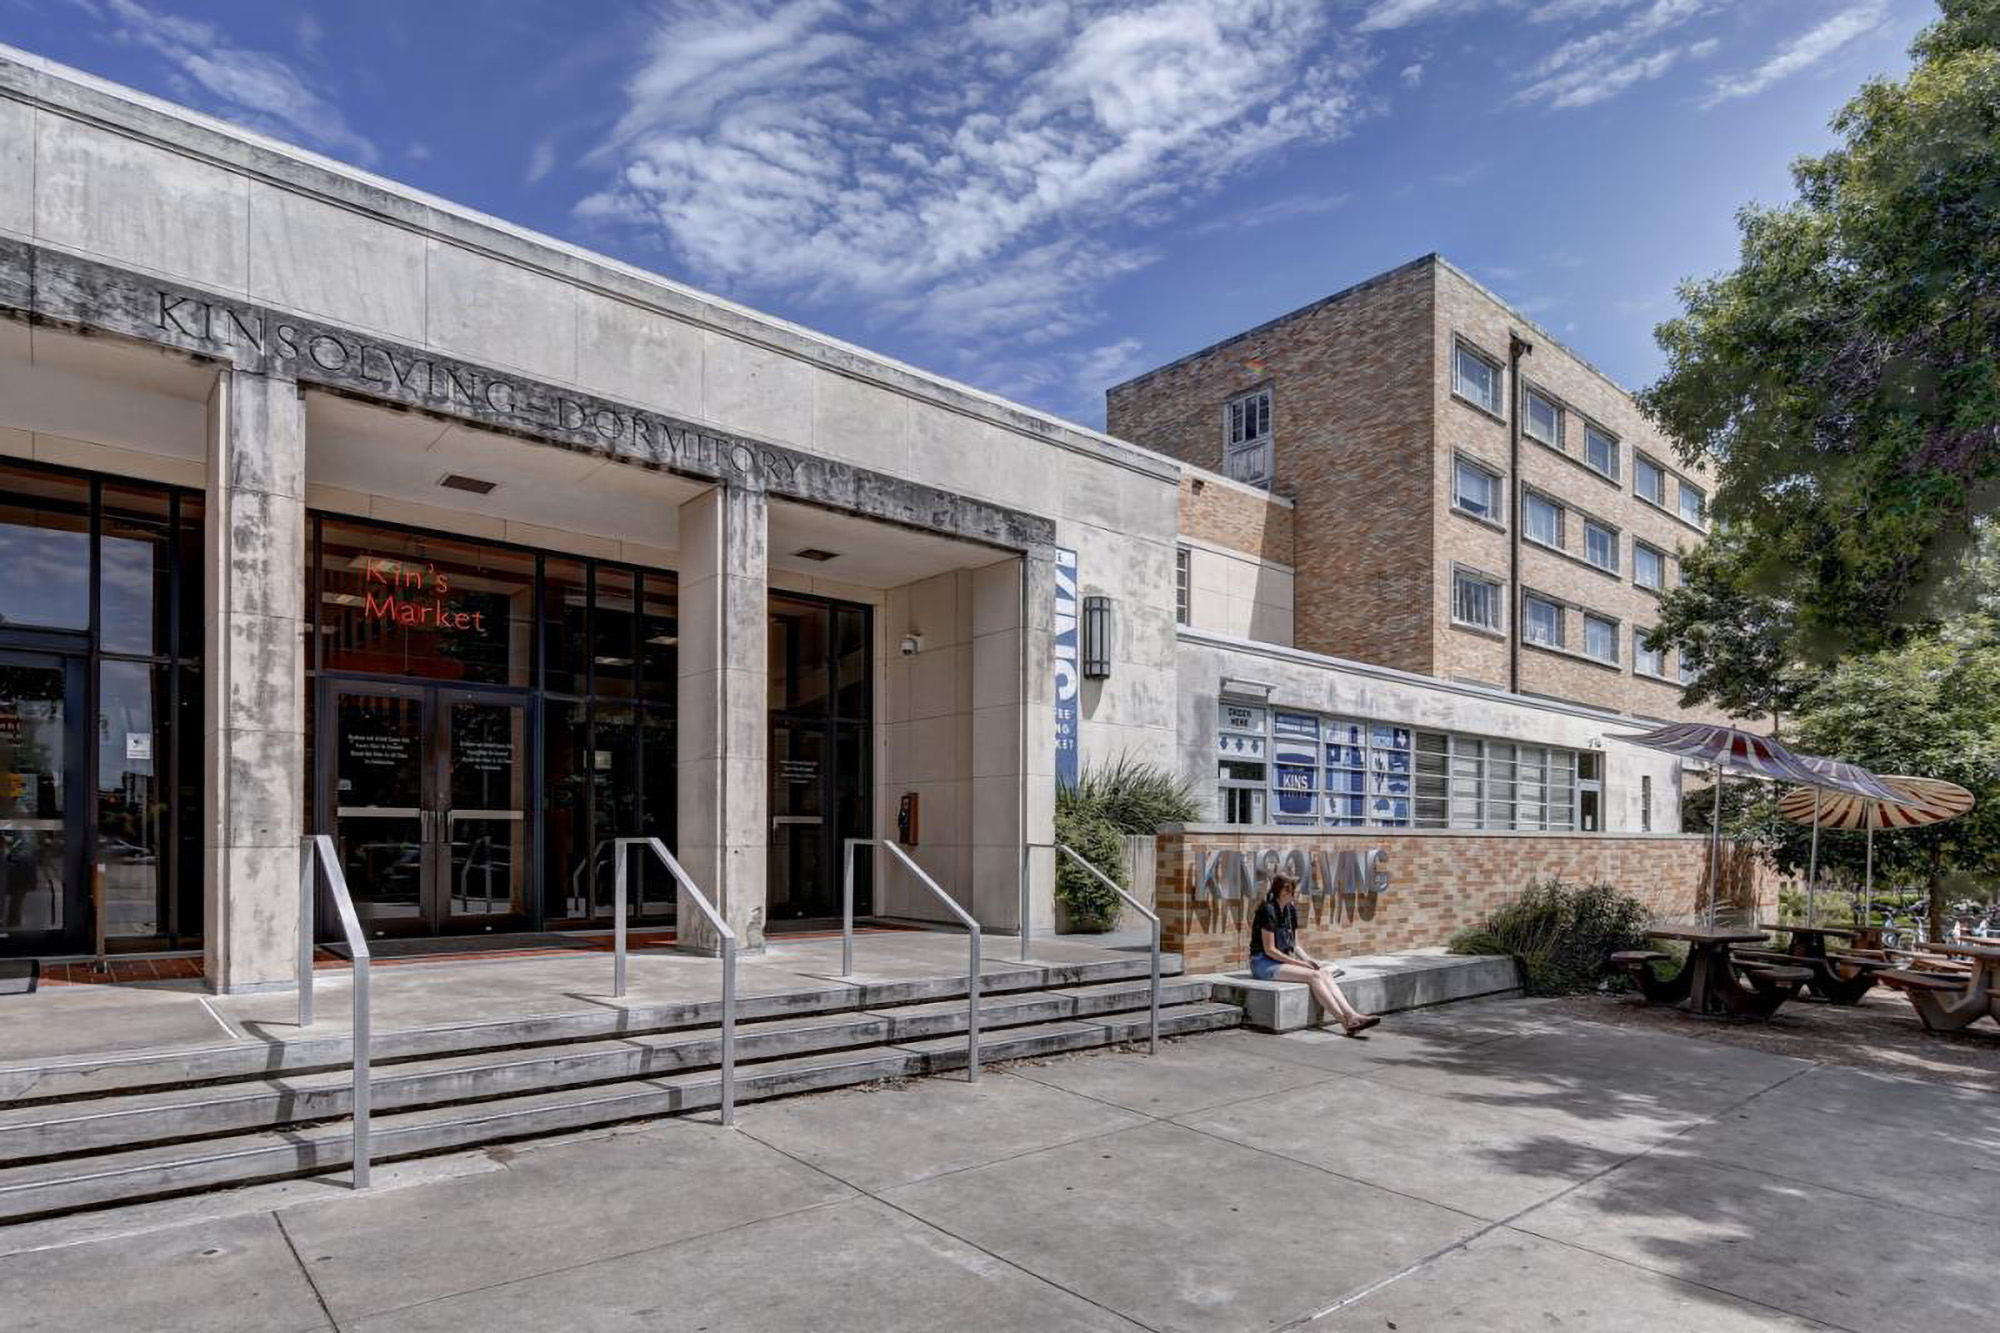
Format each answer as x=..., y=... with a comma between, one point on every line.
x=1042, y=199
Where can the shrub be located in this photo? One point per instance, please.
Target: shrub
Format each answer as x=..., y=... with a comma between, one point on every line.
x=1136, y=796
x=1563, y=934
x=1091, y=906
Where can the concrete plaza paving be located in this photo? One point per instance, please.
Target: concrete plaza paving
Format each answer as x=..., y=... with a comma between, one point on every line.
x=1490, y=1166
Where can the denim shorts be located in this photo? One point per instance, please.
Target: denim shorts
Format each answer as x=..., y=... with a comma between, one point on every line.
x=1264, y=969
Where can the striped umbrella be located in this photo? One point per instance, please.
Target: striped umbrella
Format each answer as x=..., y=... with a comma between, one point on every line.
x=1914, y=802
x=1730, y=749
x=1860, y=784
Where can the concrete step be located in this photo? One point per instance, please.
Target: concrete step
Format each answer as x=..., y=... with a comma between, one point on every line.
x=94, y=1075
x=68, y=1184
x=68, y=1128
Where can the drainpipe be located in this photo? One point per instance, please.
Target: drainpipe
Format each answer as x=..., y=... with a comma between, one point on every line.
x=1517, y=347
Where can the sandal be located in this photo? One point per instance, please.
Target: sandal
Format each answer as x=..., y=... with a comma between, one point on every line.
x=1361, y=1024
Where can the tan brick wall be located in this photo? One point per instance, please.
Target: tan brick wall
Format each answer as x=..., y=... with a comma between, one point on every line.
x=1351, y=422
x=1439, y=882
x=1237, y=517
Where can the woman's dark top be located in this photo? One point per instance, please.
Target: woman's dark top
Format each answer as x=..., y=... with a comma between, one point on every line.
x=1283, y=925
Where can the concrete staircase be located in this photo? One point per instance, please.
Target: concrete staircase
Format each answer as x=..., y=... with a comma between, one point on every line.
x=95, y=1132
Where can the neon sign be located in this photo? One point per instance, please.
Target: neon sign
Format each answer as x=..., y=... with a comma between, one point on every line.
x=415, y=598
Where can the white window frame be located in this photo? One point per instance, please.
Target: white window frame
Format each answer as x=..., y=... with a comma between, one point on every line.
x=1591, y=620
x=1531, y=396
x=1592, y=432
x=1495, y=402
x=1639, y=464
x=1183, y=586
x=1699, y=518
x=1529, y=629
x=1637, y=564
x=1645, y=661
x=1247, y=454
x=1495, y=504
x=1496, y=590
x=1528, y=500
x=1591, y=527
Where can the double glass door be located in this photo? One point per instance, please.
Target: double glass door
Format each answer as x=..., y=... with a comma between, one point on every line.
x=44, y=894
x=424, y=788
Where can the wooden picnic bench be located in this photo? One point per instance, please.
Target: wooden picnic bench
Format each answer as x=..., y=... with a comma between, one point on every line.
x=1949, y=1001
x=1713, y=981
x=1837, y=977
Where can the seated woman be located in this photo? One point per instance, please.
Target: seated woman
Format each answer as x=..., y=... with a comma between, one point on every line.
x=1275, y=955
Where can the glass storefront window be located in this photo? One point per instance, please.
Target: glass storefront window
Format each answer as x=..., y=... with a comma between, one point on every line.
x=132, y=798
x=410, y=604
x=44, y=550
x=613, y=638
x=799, y=661
x=565, y=626
x=659, y=638
x=135, y=571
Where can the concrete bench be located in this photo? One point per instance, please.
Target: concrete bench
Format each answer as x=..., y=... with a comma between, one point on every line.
x=1375, y=984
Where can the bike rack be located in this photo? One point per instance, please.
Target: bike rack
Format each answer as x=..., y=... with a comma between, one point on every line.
x=621, y=859
x=965, y=919
x=317, y=852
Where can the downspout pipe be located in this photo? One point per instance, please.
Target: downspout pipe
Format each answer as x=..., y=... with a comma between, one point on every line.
x=1517, y=347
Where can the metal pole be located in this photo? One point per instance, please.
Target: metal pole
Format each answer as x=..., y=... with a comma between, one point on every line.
x=1027, y=869
x=362, y=1041
x=619, y=858
x=847, y=907
x=972, y=1015
x=306, y=864
x=1812, y=873
x=1153, y=1019
x=1868, y=898
x=1715, y=849
x=728, y=1030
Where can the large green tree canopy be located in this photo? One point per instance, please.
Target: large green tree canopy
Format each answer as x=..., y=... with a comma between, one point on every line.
x=1844, y=381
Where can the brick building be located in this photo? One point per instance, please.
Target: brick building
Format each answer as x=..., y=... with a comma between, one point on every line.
x=1461, y=495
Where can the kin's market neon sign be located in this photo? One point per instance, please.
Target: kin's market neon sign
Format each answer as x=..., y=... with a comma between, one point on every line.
x=413, y=598
x=1230, y=873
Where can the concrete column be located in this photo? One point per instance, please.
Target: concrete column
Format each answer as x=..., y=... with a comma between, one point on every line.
x=724, y=724
x=1013, y=747
x=254, y=681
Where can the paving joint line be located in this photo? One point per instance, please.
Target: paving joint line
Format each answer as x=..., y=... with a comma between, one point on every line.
x=304, y=1272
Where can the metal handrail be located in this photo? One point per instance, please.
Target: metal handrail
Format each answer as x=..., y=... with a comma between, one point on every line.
x=965, y=919
x=317, y=851
x=1153, y=1029
x=622, y=854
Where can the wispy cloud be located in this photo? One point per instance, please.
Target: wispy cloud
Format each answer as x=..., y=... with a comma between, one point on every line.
x=1589, y=69
x=256, y=88
x=1278, y=210
x=967, y=181
x=541, y=158
x=1801, y=53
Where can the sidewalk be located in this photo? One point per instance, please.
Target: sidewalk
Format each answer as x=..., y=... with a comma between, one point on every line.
x=1493, y=1166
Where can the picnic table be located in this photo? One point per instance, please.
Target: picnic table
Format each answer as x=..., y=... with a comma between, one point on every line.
x=1712, y=982
x=1948, y=1002
x=1839, y=977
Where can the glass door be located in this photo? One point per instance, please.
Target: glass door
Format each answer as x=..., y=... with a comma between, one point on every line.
x=376, y=797
x=44, y=902
x=801, y=867
x=481, y=817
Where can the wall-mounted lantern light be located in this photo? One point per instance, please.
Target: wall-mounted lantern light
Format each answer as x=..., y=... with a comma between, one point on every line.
x=1096, y=638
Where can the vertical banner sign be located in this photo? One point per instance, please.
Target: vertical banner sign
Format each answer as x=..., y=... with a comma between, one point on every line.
x=1067, y=675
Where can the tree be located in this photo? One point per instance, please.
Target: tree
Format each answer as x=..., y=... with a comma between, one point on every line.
x=1736, y=641
x=1844, y=380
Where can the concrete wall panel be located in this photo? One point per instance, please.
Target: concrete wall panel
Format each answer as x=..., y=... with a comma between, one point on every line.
x=336, y=263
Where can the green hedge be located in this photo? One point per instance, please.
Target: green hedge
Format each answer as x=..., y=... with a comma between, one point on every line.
x=1563, y=934
x=1127, y=796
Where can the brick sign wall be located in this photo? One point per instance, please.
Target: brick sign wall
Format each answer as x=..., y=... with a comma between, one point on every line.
x=1435, y=883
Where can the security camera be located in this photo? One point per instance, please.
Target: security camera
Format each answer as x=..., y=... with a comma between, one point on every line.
x=912, y=644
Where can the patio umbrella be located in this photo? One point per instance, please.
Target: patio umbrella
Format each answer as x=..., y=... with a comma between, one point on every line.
x=1858, y=780
x=1729, y=749
x=1917, y=802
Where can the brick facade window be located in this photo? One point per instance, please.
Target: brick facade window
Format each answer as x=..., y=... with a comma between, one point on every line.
x=1542, y=520
x=1649, y=566
x=1600, y=545
x=1476, y=491
x=1246, y=438
x=1649, y=480
x=1647, y=661
x=1475, y=377
x=1543, y=419
x=1600, y=450
x=1475, y=599
x=1182, y=587
x=1541, y=621
x=1694, y=504
x=1600, y=638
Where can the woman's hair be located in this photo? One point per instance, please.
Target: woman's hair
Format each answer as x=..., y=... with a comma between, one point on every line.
x=1279, y=883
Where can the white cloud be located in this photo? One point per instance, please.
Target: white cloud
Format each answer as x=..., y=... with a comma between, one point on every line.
x=1801, y=53
x=1278, y=210
x=1589, y=69
x=963, y=179
x=1413, y=74
x=541, y=158
x=254, y=87
x=1384, y=15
